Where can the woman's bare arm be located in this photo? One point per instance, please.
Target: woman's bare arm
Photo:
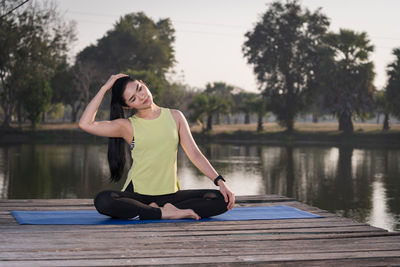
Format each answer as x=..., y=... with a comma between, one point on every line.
x=196, y=156
x=190, y=147
x=114, y=128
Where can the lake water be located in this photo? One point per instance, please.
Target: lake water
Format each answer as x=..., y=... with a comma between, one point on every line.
x=363, y=184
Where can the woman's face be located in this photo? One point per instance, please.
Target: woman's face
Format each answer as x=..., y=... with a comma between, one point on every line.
x=137, y=95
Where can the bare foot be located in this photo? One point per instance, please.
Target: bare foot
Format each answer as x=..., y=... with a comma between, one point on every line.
x=154, y=205
x=169, y=211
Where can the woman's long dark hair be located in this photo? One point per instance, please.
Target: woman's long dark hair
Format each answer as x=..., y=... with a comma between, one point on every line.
x=117, y=146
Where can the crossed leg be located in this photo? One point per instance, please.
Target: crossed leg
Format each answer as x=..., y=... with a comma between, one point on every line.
x=126, y=205
x=193, y=204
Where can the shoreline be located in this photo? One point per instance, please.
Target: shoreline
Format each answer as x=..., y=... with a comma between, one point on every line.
x=299, y=137
x=357, y=139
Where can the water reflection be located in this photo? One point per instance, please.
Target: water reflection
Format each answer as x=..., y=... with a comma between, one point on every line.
x=52, y=171
x=379, y=214
x=359, y=183
x=241, y=164
x=4, y=175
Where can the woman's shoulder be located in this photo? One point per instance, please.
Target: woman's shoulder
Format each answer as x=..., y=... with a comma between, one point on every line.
x=177, y=114
x=178, y=117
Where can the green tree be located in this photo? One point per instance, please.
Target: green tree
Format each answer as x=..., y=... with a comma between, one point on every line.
x=393, y=87
x=87, y=80
x=220, y=100
x=9, y=39
x=205, y=106
x=258, y=105
x=216, y=105
x=36, y=98
x=348, y=79
x=136, y=42
x=284, y=51
x=33, y=41
x=65, y=88
x=243, y=103
x=198, y=106
x=74, y=85
x=136, y=45
x=56, y=111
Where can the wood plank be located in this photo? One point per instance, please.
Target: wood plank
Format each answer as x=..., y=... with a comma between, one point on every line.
x=372, y=262
x=255, y=258
x=77, y=240
x=263, y=225
x=181, y=232
x=141, y=252
x=272, y=247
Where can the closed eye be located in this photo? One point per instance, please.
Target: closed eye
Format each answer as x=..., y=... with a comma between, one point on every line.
x=133, y=98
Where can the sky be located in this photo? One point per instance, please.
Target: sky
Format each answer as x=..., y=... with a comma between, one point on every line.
x=210, y=33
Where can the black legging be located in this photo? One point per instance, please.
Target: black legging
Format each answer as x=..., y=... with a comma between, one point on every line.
x=127, y=204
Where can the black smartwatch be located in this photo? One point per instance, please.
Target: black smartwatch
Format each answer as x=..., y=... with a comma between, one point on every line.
x=218, y=178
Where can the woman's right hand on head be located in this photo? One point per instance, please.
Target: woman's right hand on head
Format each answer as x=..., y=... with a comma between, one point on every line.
x=107, y=86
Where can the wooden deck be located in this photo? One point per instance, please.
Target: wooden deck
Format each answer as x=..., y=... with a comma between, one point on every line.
x=328, y=241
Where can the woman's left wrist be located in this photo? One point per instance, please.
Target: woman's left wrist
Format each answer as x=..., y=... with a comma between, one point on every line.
x=219, y=180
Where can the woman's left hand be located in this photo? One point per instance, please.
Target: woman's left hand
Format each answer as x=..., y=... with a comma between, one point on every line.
x=227, y=193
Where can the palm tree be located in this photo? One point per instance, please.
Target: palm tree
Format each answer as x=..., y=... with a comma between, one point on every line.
x=205, y=106
x=348, y=80
x=258, y=105
x=393, y=86
x=243, y=102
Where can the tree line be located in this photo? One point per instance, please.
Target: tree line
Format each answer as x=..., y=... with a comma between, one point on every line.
x=300, y=66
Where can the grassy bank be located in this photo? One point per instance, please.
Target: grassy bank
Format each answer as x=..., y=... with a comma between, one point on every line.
x=305, y=133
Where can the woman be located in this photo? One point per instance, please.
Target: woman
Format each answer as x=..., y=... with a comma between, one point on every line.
x=151, y=190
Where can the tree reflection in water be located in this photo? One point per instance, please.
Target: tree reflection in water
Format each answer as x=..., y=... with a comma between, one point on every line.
x=342, y=180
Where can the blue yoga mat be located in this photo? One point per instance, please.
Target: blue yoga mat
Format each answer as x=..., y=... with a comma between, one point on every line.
x=92, y=217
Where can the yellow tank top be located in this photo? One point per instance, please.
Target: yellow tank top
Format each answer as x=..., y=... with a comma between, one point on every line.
x=154, y=168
